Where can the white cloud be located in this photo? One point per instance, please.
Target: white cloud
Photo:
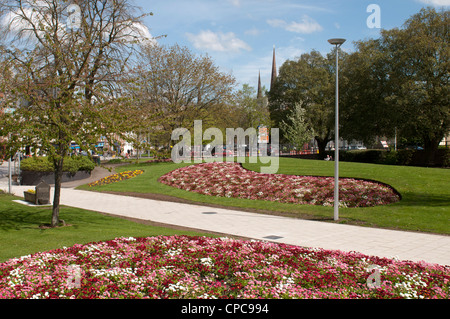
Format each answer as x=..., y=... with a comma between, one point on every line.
x=437, y=3
x=236, y=3
x=18, y=24
x=288, y=53
x=139, y=31
x=305, y=26
x=221, y=42
x=277, y=23
x=253, y=32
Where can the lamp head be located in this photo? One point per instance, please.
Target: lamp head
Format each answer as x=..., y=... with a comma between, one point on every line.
x=337, y=41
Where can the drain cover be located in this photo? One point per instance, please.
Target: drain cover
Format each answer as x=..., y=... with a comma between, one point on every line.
x=273, y=237
x=209, y=213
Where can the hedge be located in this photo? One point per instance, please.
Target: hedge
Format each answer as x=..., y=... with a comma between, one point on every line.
x=71, y=164
x=400, y=157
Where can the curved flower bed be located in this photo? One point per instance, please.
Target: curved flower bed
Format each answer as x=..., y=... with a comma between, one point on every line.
x=231, y=180
x=201, y=267
x=116, y=178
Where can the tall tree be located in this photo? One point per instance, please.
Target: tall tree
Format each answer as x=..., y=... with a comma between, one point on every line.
x=67, y=61
x=418, y=57
x=183, y=87
x=401, y=80
x=364, y=111
x=252, y=108
x=309, y=82
x=297, y=131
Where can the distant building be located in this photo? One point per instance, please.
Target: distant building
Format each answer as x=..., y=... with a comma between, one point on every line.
x=445, y=141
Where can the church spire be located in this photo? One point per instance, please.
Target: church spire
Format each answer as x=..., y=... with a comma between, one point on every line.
x=259, y=87
x=274, y=70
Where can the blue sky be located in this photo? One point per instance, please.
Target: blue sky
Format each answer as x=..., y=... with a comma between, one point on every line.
x=239, y=35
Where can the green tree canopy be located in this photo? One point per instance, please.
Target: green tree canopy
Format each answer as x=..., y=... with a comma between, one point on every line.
x=182, y=87
x=67, y=63
x=253, y=110
x=297, y=132
x=401, y=80
x=310, y=83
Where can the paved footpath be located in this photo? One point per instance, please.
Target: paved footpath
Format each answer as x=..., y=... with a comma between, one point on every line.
x=370, y=241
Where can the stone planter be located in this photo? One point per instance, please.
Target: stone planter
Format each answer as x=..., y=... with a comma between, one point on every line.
x=34, y=178
x=30, y=197
x=41, y=196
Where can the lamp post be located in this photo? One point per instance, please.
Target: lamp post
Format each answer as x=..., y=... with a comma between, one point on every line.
x=337, y=43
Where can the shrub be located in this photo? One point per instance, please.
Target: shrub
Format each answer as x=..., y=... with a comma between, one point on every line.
x=400, y=157
x=162, y=153
x=445, y=157
x=390, y=158
x=78, y=163
x=404, y=157
x=115, y=161
x=36, y=164
x=71, y=164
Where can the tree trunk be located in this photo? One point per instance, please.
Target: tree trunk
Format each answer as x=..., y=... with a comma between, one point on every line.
x=430, y=150
x=321, y=144
x=57, y=195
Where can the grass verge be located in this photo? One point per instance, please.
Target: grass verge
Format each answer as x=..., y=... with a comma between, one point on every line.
x=22, y=232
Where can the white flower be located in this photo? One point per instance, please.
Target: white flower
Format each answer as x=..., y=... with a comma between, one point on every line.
x=174, y=252
x=285, y=283
x=175, y=287
x=207, y=261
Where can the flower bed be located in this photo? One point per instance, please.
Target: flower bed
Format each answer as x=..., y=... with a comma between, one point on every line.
x=116, y=178
x=201, y=267
x=231, y=180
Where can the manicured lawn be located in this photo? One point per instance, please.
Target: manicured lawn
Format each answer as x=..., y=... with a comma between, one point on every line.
x=425, y=204
x=21, y=235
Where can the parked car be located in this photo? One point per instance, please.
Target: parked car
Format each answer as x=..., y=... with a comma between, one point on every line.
x=414, y=147
x=225, y=152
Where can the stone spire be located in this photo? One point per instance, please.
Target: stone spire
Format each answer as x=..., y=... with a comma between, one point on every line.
x=274, y=70
x=259, y=87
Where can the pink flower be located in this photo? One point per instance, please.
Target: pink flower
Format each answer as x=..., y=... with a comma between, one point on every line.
x=202, y=267
x=231, y=180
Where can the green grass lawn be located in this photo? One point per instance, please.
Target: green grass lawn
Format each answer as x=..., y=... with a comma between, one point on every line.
x=21, y=234
x=425, y=204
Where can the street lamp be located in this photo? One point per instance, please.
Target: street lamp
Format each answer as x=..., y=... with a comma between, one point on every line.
x=337, y=43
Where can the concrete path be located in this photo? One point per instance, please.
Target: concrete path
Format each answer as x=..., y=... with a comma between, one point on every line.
x=370, y=241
